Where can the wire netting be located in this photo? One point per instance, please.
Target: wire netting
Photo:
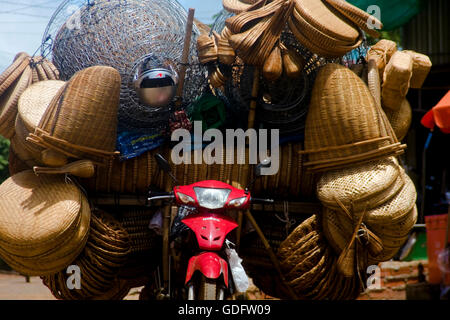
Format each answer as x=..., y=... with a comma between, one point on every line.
x=122, y=34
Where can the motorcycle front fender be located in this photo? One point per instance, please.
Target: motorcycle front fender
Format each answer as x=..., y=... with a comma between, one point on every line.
x=210, y=264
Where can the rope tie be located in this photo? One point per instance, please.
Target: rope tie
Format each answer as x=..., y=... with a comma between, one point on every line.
x=362, y=243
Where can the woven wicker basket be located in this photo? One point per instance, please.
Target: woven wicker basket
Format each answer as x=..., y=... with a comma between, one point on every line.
x=382, y=52
x=310, y=265
x=136, y=175
x=106, y=251
x=14, y=71
x=396, y=80
x=421, y=68
x=373, y=183
x=81, y=122
x=15, y=165
x=9, y=100
x=344, y=125
x=401, y=119
x=44, y=223
x=32, y=105
x=327, y=20
x=207, y=49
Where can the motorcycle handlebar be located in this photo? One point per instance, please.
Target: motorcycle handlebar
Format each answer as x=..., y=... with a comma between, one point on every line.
x=259, y=200
x=161, y=196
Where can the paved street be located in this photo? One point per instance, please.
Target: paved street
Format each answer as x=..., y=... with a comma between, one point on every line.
x=15, y=287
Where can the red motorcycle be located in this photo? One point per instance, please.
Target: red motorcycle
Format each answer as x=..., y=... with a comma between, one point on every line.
x=209, y=273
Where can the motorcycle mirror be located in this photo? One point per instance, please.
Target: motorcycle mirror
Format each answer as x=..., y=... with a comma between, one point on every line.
x=263, y=164
x=163, y=164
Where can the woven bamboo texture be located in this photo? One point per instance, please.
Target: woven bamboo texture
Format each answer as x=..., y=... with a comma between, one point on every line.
x=421, y=68
x=44, y=223
x=373, y=182
x=81, y=121
x=396, y=80
x=310, y=267
x=382, y=52
x=344, y=125
x=400, y=119
x=106, y=251
x=136, y=175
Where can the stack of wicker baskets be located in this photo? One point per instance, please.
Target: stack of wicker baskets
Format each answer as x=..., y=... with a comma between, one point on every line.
x=310, y=267
x=32, y=105
x=373, y=203
x=106, y=251
x=23, y=72
x=399, y=71
x=136, y=175
x=44, y=223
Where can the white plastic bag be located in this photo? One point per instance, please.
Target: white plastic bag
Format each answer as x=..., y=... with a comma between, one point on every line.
x=240, y=278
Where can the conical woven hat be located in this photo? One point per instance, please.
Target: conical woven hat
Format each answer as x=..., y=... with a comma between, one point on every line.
x=358, y=184
x=35, y=100
x=344, y=122
x=81, y=121
x=37, y=213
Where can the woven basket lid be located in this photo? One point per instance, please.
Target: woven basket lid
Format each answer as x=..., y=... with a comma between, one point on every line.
x=358, y=184
x=396, y=208
x=59, y=256
x=400, y=119
x=237, y=6
x=35, y=100
x=8, y=103
x=37, y=213
x=82, y=120
x=327, y=19
x=342, y=113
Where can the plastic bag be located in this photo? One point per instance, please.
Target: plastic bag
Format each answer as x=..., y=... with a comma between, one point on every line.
x=240, y=278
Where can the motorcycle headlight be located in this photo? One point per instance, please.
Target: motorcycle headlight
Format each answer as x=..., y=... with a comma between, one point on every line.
x=212, y=198
x=237, y=202
x=185, y=198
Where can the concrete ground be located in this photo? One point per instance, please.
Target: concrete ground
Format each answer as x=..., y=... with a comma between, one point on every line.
x=15, y=287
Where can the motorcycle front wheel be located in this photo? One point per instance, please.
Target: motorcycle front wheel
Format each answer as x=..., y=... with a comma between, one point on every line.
x=209, y=290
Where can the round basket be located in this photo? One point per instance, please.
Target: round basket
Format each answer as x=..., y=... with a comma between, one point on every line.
x=309, y=265
x=400, y=119
x=395, y=208
x=43, y=223
x=106, y=251
x=81, y=121
x=32, y=105
x=372, y=183
x=344, y=125
x=15, y=165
